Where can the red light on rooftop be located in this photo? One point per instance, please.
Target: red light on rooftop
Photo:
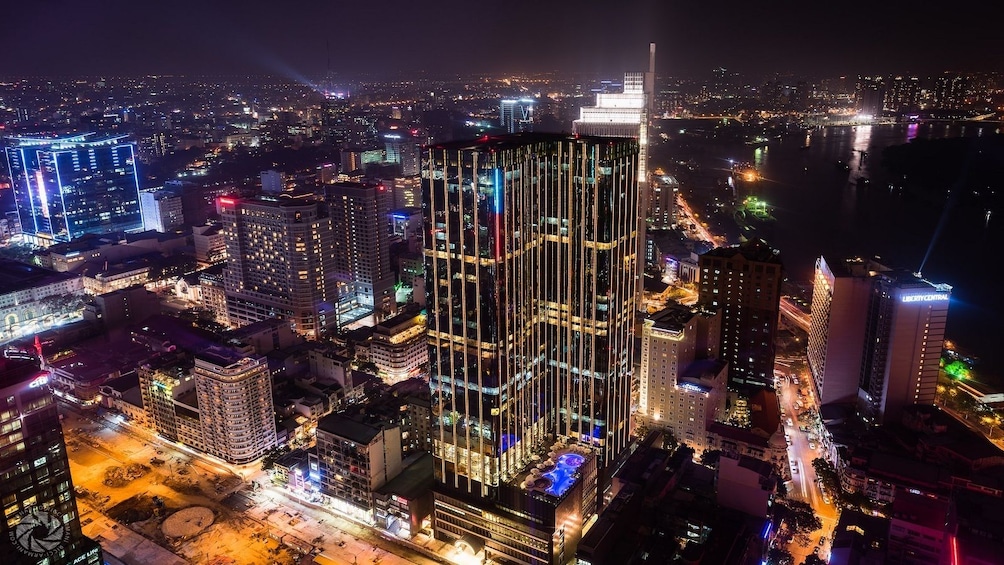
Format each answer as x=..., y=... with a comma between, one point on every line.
x=227, y=201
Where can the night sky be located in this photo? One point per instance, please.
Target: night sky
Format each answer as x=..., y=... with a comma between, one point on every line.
x=291, y=38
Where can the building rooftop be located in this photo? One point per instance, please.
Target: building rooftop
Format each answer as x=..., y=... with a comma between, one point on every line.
x=15, y=276
x=413, y=480
x=672, y=318
x=921, y=510
x=345, y=427
x=753, y=250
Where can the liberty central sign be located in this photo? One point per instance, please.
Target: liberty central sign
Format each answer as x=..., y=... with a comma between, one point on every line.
x=933, y=297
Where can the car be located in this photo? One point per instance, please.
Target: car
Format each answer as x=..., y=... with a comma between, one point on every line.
x=822, y=541
x=812, y=445
x=790, y=421
x=794, y=470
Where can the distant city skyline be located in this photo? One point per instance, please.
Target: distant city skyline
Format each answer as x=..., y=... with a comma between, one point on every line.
x=399, y=38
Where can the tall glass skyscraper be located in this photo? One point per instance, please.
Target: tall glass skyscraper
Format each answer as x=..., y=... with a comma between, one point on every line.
x=530, y=257
x=41, y=523
x=66, y=187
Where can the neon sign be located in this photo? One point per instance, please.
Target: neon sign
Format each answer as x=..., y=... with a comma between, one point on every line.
x=228, y=201
x=38, y=381
x=934, y=297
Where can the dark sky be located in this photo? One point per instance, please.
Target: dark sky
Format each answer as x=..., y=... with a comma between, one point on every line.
x=115, y=37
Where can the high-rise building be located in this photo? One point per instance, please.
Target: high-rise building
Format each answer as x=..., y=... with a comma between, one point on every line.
x=66, y=187
x=272, y=182
x=531, y=256
x=162, y=209
x=869, y=94
x=903, y=94
x=682, y=386
x=408, y=192
x=280, y=262
x=516, y=115
x=876, y=337
x=41, y=523
x=235, y=404
x=840, y=294
x=627, y=114
x=744, y=282
x=359, y=216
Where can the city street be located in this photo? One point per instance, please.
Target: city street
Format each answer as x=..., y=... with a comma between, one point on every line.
x=804, y=485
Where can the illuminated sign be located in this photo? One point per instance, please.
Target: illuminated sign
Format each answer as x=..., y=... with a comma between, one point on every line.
x=228, y=201
x=38, y=381
x=690, y=387
x=933, y=297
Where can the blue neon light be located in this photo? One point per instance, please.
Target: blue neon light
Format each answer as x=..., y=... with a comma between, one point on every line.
x=497, y=183
x=563, y=475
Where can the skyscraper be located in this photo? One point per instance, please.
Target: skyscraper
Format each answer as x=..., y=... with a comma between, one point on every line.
x=359, y=217
x=531, y=256
x=877, y=332
x=744, y=282
x=627, y=114
x=66, y=187
x=41, y=523
x=516, y=115
x=840, y=294
x=280, y=262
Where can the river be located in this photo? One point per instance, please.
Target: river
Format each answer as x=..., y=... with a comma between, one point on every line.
x=821, y=210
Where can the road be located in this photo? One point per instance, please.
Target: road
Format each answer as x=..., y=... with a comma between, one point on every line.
x=700, y=231
x=793, y=312
x=804, y=485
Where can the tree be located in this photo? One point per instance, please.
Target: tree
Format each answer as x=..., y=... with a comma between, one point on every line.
x=778, y=556
x=827, y=475
x=799, y=516
x=813, y=559
x=710, y=458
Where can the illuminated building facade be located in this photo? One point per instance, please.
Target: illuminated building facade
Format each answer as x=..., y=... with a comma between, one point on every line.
x=162, y=209
x=516, y=115
x=40, y=523
x=530, y=253
x=280, y=260
x=362, y=270
x=66, y=187
x=399, y=347
x=682, y=387
x=840, y=292
x=876, y=337
x=627, y=114
x=235, y=405
x=904, y=337
x=744, y=282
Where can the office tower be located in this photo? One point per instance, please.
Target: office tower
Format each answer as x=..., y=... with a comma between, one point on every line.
x=280, y=260
x=516, y=115
x=530, y=256
x=235, y=404
x=272, y=182
x=41, y=523
x=402, y=147
x=627, y=114
x=682, y=386
x=876, y=337
x=359, y=215
x=744, y=282
x=162, y=209
x=66, y=187
x=904, y=333
x=840, y=293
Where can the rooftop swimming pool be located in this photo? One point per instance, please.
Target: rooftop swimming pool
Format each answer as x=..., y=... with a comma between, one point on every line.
x=562, y=477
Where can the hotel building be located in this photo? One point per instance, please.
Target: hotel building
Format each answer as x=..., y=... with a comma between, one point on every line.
x=280, y=260
x=531, y=255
